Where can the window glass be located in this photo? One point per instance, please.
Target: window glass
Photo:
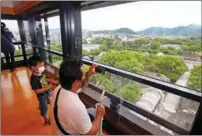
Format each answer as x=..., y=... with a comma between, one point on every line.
x=28, y=44
x=54, y=39
x=12, y=26
x=148, y=38
x=55, y=34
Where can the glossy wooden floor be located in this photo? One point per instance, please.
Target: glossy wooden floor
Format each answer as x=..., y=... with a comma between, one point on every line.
x=19, y=105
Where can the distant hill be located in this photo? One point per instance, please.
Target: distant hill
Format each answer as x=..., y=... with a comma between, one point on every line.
x=190, y=30
x=119, y=31
x=124, y=31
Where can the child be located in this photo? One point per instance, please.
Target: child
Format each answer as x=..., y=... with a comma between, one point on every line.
x=36, y=80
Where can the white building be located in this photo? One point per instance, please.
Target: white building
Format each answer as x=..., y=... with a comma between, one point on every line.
x=90, y=47
x=150, y=99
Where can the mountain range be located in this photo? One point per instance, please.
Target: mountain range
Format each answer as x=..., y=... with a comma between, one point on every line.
x=189, y=30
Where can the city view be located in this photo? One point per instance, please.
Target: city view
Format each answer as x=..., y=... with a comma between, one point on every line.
x=166, y=47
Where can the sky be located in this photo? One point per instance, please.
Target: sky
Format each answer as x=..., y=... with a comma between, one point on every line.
x=137, y=16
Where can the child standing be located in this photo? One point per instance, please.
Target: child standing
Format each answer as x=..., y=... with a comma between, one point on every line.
x=41, y=88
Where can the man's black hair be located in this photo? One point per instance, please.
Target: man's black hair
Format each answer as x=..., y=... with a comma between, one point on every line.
x=3, y=26
x=70, y=70
x=34, y=60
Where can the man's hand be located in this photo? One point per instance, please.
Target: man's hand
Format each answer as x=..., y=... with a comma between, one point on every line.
x=100, y=110
x=53, y=81
x=88, y=74
x=51, y=86
x=92, y=70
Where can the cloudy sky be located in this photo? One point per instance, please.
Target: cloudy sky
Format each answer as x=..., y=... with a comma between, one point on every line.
x=137, y=15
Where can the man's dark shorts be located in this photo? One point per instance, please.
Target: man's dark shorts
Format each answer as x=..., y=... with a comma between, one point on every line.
x=43, y=104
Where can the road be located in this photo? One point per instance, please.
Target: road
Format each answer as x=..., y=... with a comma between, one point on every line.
x=171, y=100
x=190, y=64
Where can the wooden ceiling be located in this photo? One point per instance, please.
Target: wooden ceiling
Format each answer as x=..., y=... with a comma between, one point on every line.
x=16, y=7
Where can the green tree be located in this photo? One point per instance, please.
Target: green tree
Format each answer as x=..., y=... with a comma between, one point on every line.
x=127, y=60
x=195, y=78
x=18, y=52
x=117, y=45
x=192, y=45
x=130, y=92
x=129, y=45
x=85, y=52
x=97, y=41
x=104, y=81
x=155, y=45
x=142, y=41
x=103, y=47
x=56, y=48
x=95, y=52
x=185, y=47
x=170, y=41
x=170, y=51
x=171, y=66
x=150, y=63
x=108, y=42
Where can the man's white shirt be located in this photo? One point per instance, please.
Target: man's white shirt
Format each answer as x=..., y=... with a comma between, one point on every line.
x=72, y=113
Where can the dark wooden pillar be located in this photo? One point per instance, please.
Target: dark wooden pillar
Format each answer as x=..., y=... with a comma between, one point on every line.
x=32, y=32
x=23, y=39
x=48, y=39
x=71, y=33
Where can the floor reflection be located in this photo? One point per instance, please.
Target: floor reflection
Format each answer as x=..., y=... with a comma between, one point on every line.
x=20, y=114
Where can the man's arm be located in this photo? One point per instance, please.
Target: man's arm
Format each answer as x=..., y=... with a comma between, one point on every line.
x=97, y=121
x=82, y=123
x=95, y=125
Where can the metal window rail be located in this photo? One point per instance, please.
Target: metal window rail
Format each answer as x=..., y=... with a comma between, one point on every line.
x=18, y=55
x=51, y=51
x=168, y=87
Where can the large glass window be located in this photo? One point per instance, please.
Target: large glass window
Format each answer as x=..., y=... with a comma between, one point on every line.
x=55, y=34
x=148, y=38
x=28, y=44
x=54, y=38
x=12, y=26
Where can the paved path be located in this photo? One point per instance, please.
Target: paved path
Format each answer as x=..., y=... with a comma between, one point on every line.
x=172, y=100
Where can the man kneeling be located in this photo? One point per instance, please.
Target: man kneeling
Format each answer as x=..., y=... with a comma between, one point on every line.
x=69, y=114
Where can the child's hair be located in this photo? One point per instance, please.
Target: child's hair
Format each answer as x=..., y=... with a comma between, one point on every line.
x=70, y=70
x=34, y=60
